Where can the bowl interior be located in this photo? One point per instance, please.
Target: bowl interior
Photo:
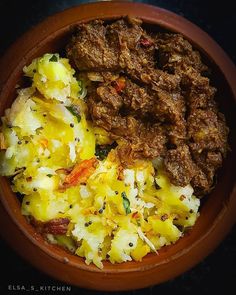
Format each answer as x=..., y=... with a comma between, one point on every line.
x=195, y=243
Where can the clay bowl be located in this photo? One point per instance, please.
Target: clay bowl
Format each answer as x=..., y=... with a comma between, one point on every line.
x=217, y=210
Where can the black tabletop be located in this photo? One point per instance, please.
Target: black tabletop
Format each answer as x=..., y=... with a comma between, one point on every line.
x=217, y=273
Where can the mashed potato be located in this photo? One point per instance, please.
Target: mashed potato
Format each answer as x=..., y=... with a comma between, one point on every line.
x=48, y=148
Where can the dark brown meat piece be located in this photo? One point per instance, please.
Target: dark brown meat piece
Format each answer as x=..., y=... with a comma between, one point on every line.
x=149, y=142
x=119, y=114
x=110, y=97
x=170, y=109
x=180, y=166
x=151, y=92
x=134, y=57
x=197, y=90
x=137, y=100
x=104, y=106
x=175, y=53
x=206, y=164
x=116, y=47
x=199, y=169
x=207, y=131
x=89, y=48
x=177, y=56
x=201, y=183
x=97, y=47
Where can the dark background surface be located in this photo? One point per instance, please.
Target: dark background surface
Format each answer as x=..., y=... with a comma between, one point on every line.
x=217, y=273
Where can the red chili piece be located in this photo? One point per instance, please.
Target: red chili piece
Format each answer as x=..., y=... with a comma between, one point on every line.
x=57, y=226
x=146, y=42
x=119, y=84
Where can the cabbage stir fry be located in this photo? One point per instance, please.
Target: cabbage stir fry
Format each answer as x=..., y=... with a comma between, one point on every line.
x=74, y=189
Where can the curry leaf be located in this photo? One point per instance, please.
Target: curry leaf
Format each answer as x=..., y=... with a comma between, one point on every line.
x=102, y=151
x=74, y=111
x=126, y=203
x=53, y=58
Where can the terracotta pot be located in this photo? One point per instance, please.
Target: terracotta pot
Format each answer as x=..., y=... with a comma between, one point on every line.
x=218, y=209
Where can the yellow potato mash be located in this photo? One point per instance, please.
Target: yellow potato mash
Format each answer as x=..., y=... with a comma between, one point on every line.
x=48, y=149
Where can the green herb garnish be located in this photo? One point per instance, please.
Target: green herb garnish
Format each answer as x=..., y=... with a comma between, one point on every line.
x=102, y=151
x=74, y=111
x=82, y=91
x=126, y=203
x=49, y=175
x=54, y=58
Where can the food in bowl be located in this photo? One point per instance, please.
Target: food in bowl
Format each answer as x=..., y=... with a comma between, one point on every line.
x=112, y=147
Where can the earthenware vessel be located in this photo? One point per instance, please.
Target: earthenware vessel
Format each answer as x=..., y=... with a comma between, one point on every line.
x=217, y=213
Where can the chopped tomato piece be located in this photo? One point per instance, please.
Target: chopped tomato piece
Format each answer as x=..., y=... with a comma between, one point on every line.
x=81, y=172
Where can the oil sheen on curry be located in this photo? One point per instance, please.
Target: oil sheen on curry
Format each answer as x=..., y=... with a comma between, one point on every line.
x=113, y=143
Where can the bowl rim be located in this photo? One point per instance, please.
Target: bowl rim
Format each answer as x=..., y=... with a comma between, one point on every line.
x=150, y=14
